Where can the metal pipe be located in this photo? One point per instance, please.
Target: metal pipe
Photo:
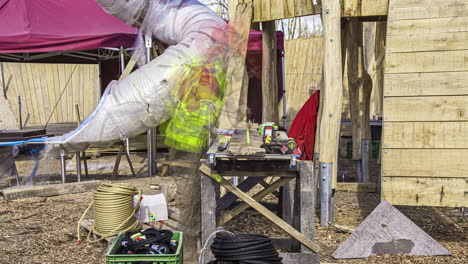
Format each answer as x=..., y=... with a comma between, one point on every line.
x=325, y=192
x=122, y=60
x=127, y=146
x=78, y=166
x=3, y=80
x=331, y=208
x=62, y=165
x=151, y=133
x=20, y=113
x=285, y=116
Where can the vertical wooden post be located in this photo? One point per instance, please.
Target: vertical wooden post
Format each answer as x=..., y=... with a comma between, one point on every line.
x=360, y=88
x=304, y=201
x=332, y=94
x=269, y=73
x=235, y=108
x=208, y=209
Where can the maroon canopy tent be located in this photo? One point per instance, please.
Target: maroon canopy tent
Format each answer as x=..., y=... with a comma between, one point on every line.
x=66, y=25
x=59, y=25
x=61, y=30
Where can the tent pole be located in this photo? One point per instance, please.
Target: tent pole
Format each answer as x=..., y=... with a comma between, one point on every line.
x=3, y=80
x=151, y=133
x=285, y=114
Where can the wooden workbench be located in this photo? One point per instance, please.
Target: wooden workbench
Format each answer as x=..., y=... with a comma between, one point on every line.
x=298, y=221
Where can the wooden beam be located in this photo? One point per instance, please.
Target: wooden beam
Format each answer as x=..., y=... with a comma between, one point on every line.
x=269, y=73
x=332, y=91
x=229, y=198
x=360, y=86
x=235, y=108
x=356, y=187
x=300, y=258
x=258, y=197
x=374, y=61
x=425, y=191
x=49, y=190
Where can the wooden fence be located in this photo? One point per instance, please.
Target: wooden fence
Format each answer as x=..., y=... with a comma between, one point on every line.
x=40, y=87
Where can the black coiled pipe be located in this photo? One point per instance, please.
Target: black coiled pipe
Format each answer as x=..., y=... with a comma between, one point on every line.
x=244, y=249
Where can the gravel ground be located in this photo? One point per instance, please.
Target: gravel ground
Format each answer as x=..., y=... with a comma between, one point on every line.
x=444, y=224
x=43, y=230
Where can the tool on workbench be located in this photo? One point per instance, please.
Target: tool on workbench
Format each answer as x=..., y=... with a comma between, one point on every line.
x=278, y=146
x=224, y=141
x=267, y=128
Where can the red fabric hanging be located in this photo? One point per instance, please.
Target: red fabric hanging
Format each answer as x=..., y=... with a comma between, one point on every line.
x=304, y=125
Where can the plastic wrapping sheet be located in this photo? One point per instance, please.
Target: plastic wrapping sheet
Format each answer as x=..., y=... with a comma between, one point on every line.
x=185, y=84
x=7, y=164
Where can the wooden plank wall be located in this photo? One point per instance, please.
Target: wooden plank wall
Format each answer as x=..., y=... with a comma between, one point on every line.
x=425, y=149
x=40, y=86
x=265, y=10
x=303, y=71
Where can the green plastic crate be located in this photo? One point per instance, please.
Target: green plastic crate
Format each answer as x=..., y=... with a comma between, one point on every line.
x=177, y=258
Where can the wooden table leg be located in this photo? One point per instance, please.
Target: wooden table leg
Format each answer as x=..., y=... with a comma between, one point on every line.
x=208, y=207
x=287, y=202
x=260, y=208
x=304, y=202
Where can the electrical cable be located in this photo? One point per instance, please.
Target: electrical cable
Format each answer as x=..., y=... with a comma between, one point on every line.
x=113, y=211
x=201, y=257
x=245, y=248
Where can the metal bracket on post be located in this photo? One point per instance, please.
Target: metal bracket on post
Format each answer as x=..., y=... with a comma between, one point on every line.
x=212, y=160
x=365, y=160
x=325, y=192
x=78, y=166
x=293, y=162
x=62, y=165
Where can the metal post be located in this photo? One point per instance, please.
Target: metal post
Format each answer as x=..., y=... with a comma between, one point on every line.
x=365, y=160
x=359, y=171
x=127, y=145
x=325, y=192
x=78, y=166
x=20, y=113
x=122, y=60
x=331, y=208
x=235, y=180
x=285, y=116
x=62, y=165
x=151, y=133
x=3, y=80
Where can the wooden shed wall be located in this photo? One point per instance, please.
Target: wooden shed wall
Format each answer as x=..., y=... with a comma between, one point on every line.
x=425, y=149
x=40, y=86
